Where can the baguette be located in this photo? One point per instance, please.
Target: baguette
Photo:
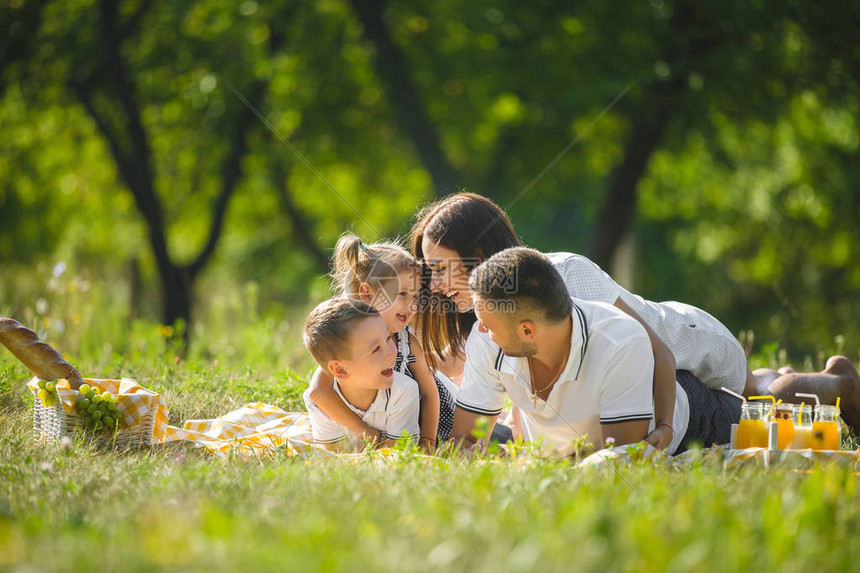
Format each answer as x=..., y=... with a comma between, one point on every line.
x=39, y=357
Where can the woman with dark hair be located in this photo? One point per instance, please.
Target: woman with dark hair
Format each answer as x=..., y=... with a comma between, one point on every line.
x=455, y=234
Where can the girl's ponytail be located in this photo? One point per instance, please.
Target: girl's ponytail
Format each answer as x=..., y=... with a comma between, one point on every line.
x=347, y=265
x=355, y=262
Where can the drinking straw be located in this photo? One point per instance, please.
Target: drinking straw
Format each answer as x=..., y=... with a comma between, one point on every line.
x=837, y=401
x=735, y=394
x=800, y=413
x=772, y=399
x=817, y=400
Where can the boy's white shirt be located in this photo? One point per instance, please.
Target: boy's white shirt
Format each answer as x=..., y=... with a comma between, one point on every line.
x=394, y=411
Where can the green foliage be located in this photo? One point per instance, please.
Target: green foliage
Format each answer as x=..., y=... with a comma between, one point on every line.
x=177, y=508
x=745, y=208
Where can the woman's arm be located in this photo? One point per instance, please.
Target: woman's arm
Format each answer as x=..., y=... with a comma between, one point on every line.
x=664, y=384
x=429, y=394
x=326, y=399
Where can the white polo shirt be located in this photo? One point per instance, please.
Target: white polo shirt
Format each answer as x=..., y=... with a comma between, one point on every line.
x=700, y=343
x=394, y=410
x=607, y=379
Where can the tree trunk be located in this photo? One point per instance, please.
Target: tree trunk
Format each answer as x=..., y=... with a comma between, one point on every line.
x=301, y=229
x=619, y=203
x=20, y=30
x=129, y=144
x=394, y=73
x=176, y=288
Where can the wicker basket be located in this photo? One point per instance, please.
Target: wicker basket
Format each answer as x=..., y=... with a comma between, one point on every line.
x=51, y=423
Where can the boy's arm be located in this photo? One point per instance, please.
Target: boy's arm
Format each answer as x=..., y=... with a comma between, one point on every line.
x=324, y=397
x=339, y=447
x=664, y=384
x=429, y=395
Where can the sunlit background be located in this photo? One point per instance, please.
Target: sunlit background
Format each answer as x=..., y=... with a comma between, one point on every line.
x=698, y=151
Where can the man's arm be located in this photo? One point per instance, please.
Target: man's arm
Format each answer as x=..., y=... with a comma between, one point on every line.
x=626, y=406
x=664, y=383
x=625, y=432
x=481, y=393
x=464, y=425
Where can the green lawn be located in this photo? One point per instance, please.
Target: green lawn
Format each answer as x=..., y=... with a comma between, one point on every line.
x=179, y=509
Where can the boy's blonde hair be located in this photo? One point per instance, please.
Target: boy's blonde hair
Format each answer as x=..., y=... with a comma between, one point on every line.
x=327, y=329
x=355, y=263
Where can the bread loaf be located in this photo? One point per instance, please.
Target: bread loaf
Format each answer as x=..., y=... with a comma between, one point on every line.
x=42, y=360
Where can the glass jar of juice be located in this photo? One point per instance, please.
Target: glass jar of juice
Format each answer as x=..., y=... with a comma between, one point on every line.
x=826, y=429
x=783, y=415
x=802, y=427
x=752, y=428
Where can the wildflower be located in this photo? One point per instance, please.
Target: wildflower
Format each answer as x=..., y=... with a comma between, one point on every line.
x=610, y=442
x=66, y=443
x=165, y=330
x=177, y=457
x=46, y=467
x=59, y=269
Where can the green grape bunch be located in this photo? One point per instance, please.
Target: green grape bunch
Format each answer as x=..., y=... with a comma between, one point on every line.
x=48, y=392
x=97, y=409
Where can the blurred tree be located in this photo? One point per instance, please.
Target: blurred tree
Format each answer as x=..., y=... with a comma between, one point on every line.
x=396, y=73
x=731, y=157
x=108, y=91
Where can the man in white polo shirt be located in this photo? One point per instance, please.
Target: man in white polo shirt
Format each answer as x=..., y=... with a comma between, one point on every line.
x=574, y=368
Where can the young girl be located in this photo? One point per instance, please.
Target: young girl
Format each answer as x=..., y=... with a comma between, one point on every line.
x=387, y=277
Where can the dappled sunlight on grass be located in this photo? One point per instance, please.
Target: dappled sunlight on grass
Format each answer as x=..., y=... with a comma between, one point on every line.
x=177, y=507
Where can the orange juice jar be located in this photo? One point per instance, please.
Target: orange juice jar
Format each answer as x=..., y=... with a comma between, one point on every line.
x=802, y=427
x=826, y=429
x=783, y=415
x=752, y=431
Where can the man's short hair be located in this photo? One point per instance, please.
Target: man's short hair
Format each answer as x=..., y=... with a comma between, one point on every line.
x=327, y=329
x=527, y=278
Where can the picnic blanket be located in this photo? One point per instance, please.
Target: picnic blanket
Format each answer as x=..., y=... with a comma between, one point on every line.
x=261, y=429
x=255, y=428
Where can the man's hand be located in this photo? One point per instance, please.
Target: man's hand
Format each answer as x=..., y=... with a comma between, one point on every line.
x=371, y=437
x=660, y=437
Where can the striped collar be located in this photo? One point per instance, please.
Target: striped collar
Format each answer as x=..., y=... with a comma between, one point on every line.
x=518, y=367
x=380, y=403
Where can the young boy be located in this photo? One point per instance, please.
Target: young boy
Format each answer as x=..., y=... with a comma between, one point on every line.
x=349, y=339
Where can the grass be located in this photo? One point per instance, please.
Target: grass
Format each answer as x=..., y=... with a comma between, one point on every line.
x=170, y=509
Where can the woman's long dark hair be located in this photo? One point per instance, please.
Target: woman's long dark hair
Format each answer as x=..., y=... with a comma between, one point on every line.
x=474, y=227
